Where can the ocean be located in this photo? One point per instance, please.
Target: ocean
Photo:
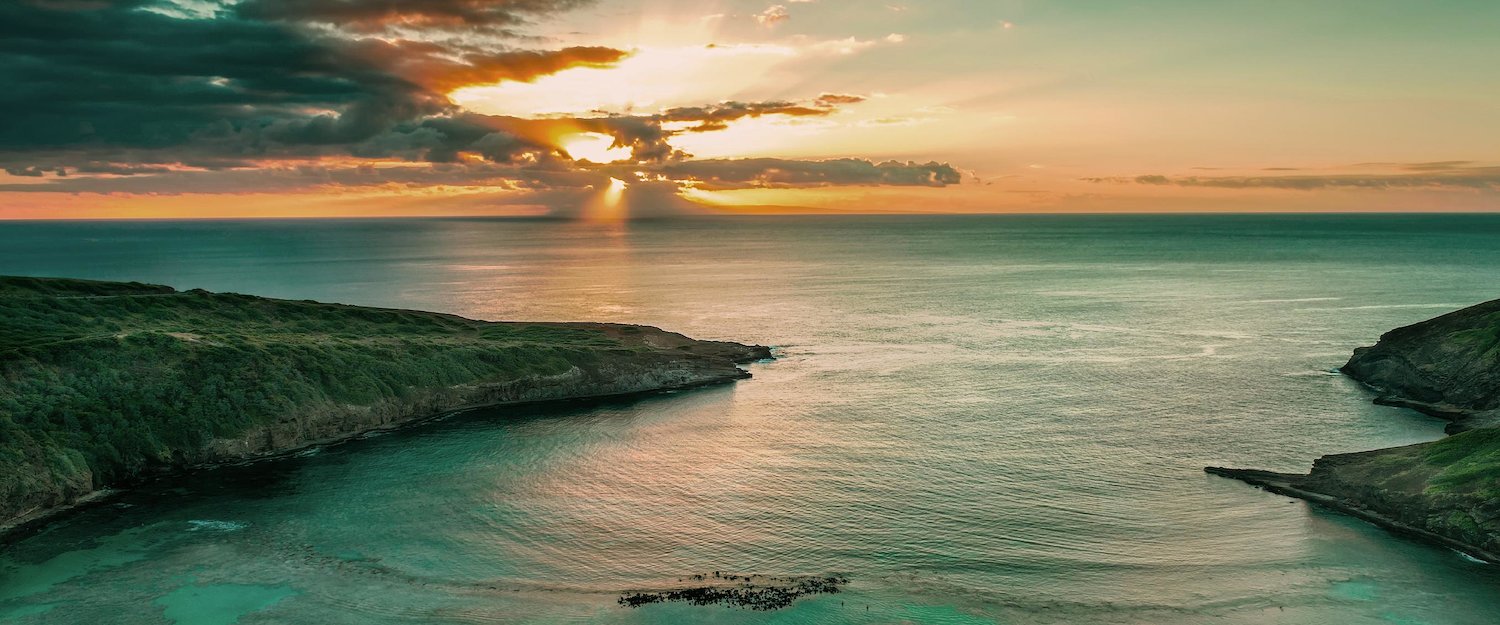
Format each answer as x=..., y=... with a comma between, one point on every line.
x=998, y=419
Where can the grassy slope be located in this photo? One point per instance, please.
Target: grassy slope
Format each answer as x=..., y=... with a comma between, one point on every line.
x=1449, y=487
x=100, y=381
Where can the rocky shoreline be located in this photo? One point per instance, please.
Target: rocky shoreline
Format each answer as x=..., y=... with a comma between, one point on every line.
x=1446, y=492
x=1446, y=367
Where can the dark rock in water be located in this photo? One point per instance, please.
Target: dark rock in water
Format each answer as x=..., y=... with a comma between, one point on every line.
x=753, y=592
x=1447, y=367
x=1447, y=491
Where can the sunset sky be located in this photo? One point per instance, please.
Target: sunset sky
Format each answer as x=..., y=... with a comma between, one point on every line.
x=609, y=109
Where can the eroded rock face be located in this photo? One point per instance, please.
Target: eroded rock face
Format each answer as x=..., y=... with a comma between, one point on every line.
x=1448, y=367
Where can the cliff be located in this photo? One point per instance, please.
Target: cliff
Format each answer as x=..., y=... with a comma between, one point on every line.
x=1448, y=367
x=1447, y=491
x=102, y=383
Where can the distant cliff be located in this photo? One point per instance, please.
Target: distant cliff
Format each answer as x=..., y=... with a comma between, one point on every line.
x=1447, y=491
x=102, y=382
x=1448, y=367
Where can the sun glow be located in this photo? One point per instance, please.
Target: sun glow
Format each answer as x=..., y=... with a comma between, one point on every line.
x=595, y=147
x=609, y=205
x=615, y=190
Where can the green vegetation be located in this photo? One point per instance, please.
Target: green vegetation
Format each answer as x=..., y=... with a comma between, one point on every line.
x=17, y=286
x=101, y=381
x=1469, y=464
x=1465, y=465
x=1484, y=339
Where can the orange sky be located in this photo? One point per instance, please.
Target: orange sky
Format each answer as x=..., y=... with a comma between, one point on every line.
x=665, y=107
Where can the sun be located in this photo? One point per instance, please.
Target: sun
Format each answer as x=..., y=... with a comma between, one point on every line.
x=593, y=146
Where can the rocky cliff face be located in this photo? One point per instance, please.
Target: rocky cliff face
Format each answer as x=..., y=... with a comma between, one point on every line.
x=1447, y=491
x=1448, y=367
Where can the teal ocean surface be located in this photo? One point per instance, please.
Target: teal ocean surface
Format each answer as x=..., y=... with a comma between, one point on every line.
x=977, y=419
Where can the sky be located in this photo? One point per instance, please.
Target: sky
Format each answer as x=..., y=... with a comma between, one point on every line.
x=608, y=109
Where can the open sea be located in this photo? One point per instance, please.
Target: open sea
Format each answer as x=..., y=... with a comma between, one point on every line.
x=996, y=419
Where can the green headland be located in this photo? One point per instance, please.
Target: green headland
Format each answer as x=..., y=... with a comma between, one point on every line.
x=104, y=383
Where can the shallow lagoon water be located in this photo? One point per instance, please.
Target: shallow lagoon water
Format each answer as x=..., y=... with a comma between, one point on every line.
x=978, y=419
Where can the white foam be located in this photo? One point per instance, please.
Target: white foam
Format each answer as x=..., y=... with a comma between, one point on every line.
x=1469, y=557
x=216, y=526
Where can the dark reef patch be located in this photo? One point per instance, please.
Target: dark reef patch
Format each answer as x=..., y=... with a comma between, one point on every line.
x=754, y=592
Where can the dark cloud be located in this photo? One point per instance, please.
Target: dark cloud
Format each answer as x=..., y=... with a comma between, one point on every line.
x=147, y=96
x=298, y=177
x=838, y=99
x=442, y=68
x=1460, y=175
x=772, y=172
x=718, y=116
x=523, y=174
x=506, y=139
x=370, y=15
x=111, y=81
x=1427, y=166
x=27, y=172
x=509, y=139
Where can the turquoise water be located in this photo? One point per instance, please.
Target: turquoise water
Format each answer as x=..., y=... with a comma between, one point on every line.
x=979, y=420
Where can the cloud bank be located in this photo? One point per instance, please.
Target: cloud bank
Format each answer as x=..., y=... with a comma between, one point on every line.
x=171, y=96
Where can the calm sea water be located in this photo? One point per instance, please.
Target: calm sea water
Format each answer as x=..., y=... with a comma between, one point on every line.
x=978, y=419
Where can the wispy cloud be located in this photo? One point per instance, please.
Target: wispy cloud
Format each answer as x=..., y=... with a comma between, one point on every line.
x=773, y=15
x=1463, y=175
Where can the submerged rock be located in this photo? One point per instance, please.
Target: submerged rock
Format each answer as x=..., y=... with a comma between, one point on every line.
x=752, y=591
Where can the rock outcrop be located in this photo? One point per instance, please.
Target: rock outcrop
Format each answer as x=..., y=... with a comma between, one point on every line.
x=1447, y=367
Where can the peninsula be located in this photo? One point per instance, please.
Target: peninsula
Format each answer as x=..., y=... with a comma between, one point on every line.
x=1447, y=491
x=102, y=383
